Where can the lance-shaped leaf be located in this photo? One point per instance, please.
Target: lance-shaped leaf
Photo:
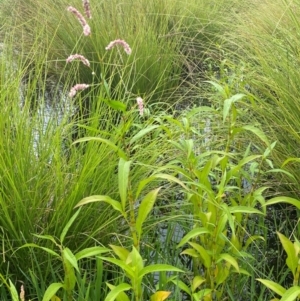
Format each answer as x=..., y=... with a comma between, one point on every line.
x=68, y=225
x=144, y=209
x=123, y=175
x=142, y=133
x=101, y=198
x=193, y=233
x=158, y=268
x=68, y=255
x=121, y=252
x=204, y=256
x=105, y=141
x=125, y=267
x=291, y=294
x=160, y=296
x=117, y=291
x=51, y=291
x=292, y=256
x=244, y=209
x=13, y=291
x=228, y=103
x=228, y=258
x=42, y=248
x=275, y=287
x=283, y=199
x=89, y=252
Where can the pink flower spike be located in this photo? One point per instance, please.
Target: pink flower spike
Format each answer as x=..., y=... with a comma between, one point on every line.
x=81, y=19
x=78, y=87
x=140, y=103
x=87, y=8
x=79, y=57
x=122, y=43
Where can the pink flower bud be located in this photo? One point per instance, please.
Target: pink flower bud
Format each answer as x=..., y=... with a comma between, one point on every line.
x=87, y=9
x=79, y=57
x=122, y=43
x=78, y=87
x=81, y=19
x=140, y=103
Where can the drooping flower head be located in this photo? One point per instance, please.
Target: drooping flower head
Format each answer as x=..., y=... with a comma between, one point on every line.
x=87, y=8
x=122, y=43
x=81, y=19
x=76, y=88
x=78, y=57
x=140, y=103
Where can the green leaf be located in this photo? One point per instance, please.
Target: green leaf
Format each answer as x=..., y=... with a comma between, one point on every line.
x=127, y=269
x=260, y=134
x=291, y=294
x=68, y=225
x=206, y=259
x=135, y=260
x=283, y=199
x=48, y=237
x=197, y=281
x=105, y=141
x=121, y=252
x=13, y=291
x=42, y=248
x=68, y=255
x=51, y=290
x=101, y=198
x=292, y=256
x=158, y=268
x=144, y=210
x=230, y=260
x=123, y=175
x=193, y=233
x=89, y=252
x=116, y=291
x=199, y=295
x=142, y=133
x=244, y=209
x=160, y=296
x=228, y=102
x=219, y=88
x=182, y=286
x=116, y=105
x=275, y=287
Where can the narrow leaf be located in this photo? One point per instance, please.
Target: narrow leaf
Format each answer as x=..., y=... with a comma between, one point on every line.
x=101, y=198
x=89, y=252
x=283, y=199
x=123, y=175
x=31, y=245
x=275, y=287
x=51, y=291
x=68, y=225
x=244, y=209
x=114, y=293
x=228, y=258
x=291, y=294
x=160, y=296
x=142, y=133
x=13, y=291
x=158, y=268
x=105, y=141
x=68, y=255
x=144, y=209
x=193, y=233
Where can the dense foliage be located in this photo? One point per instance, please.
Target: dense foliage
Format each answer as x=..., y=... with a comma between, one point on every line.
x=149, y=150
